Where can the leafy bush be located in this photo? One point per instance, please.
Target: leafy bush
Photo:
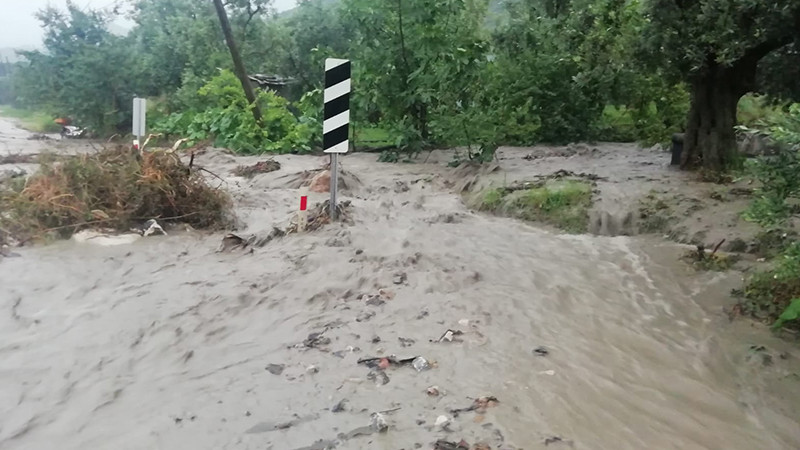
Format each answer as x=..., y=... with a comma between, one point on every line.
x=220, y=111
x=771, y=293
x=779, y=174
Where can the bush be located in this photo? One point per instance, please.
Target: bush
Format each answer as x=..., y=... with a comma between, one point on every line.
x=113, y=188
x=779, y=175
x=220, y=111
x=564, y=204
x=768, y=295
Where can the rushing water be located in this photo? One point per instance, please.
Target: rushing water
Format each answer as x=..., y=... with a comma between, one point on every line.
x=164, y=343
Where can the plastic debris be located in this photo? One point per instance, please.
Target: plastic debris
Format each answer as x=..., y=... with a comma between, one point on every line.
x=449, y=336
x=442, y=422
x=378, y=422
x=464, y=322
x=151, y=227
x=420, y=364
x=548, y=372
x=541, y=351
x=400, y=278
x=312, y=369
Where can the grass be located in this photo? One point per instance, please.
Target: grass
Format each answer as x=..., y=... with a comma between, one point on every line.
x=114, y=188
x=771, y=295
x=35, y=121
x=564, y=204
x=372, y=137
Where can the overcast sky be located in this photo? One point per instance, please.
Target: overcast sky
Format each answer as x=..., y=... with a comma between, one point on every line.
x=19, y=29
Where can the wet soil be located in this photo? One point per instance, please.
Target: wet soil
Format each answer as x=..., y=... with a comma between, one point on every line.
x=586, y=341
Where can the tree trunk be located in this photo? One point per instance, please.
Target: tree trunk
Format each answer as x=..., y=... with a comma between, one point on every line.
x=710, y=140
x=238, y=65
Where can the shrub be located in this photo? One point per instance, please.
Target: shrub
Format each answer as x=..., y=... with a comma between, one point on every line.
x=769, y=294
x=779, y=174
x=221, y=112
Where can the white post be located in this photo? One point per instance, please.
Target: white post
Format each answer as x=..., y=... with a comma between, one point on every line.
x=139, y=119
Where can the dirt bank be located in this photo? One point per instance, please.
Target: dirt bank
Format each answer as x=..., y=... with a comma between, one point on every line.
x=165, y=343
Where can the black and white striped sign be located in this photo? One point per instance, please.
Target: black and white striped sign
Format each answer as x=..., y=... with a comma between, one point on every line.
x=336, y=125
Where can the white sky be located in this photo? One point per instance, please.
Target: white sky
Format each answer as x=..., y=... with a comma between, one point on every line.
x=19, y=29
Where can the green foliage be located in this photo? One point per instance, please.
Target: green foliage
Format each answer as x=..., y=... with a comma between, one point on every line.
x=221, y=111
x=770, y=293
x=563, y=204
x=791, y=313
x=36, y=121
x=779, y=175
x=86, y=72
x=758, y=111
x=416, y=61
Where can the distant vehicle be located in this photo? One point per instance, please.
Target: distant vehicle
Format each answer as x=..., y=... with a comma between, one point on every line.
x=70, y=131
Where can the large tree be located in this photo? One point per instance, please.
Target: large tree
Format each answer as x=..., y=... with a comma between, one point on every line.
x=716, y=47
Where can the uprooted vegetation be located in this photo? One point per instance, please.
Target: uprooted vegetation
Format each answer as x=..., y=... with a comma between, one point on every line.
x=713, y=261
x=113, y=188
x=260, y=167
x=562, y=203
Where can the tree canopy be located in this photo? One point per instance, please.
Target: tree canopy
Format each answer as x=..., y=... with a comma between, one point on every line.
x=433, y=73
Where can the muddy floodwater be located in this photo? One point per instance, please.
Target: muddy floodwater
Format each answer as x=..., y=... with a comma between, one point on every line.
x=164, y=343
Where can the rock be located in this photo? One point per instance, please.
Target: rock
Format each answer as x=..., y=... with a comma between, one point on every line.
x=433, y=391
x=312, y=369
x=378, y=422
x=321, y=182
x=755, y=144
x=275, y=369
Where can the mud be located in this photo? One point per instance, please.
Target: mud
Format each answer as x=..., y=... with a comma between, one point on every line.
x=167, y=343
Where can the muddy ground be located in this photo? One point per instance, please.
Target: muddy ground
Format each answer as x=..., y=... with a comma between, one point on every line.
x=165, y=343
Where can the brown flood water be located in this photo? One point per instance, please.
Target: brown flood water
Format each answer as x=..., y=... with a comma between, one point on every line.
x=164, y=343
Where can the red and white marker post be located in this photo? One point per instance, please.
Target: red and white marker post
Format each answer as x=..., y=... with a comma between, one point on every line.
x=302, y=216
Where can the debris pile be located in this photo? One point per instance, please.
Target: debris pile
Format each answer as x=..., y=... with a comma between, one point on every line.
x=112, y=188
x=267, y=166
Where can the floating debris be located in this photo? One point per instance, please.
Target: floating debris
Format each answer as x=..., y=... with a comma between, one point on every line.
x=447, y=445
x=421, y=364
x=449, y=336
x=479, y=405
x=378, y=422
x=267, y=166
